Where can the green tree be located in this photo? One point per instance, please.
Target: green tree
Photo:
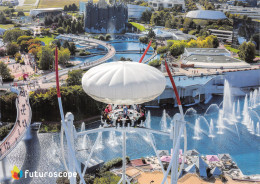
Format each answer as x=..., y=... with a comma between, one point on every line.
x=108, y=178
x=60, y=30
x=68, y=29
x=101, y=37
x=20, y=14
x=12, y=48
x=5, y=72
x=12, y=35
x=64, y=56
x=23, y=38
x=72, y=48
x=177, y=49
x=74, y=77
x=108, y=37
x=151, y=34
x=247, y=52
x=66, y=44
x=2, y=52
x=144, y=39
x=46, y=58
x=79, y=27
x=73, y=26
x=146, y=16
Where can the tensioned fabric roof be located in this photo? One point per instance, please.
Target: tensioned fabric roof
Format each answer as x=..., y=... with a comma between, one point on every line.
x=206, y=14
x=123, y=83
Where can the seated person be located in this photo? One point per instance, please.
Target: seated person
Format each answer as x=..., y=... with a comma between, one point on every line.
x=108, y=120
x=141, y=118
x=137, y=108
x=125, y=109
x=104, y=115
x=127, y=121
x=107, y=110
x=109, y=107
x=119, y=121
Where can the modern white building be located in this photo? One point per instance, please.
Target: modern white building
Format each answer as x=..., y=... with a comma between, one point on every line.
x=222, y=35
x=205, y=51
x=45, y=11
x=206, y=15
x=214, y=61
x=156, y=4
x=253, y=13
x=135, y=11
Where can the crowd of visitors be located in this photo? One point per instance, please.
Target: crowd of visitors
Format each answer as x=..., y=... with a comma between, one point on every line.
x=124, y=115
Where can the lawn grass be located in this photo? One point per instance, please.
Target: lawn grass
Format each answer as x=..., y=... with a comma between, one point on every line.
x=6, y=26
x=58, y=3
x=173, y=41
x=47, y=39
x=138, y=26
x=3, y=8
x=29, y=1
x=228, y=47
x=25, y=8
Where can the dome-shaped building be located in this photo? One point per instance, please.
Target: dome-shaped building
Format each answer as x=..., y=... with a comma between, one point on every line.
x=206, y=14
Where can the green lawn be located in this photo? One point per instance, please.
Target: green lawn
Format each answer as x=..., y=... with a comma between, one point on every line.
x=228, y=47
x=173, y=41
x=47, y=40
x=6, y=26
x=25, y=8
x=3, y=7
x=59, y=3
x=29, y=1
x=138, y=26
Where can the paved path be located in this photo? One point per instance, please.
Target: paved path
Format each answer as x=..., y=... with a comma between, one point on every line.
x=23, y=121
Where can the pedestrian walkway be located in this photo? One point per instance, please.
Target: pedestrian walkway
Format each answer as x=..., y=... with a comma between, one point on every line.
x=23, y=120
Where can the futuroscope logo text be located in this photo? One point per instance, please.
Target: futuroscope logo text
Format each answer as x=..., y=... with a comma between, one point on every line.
x=17, y=174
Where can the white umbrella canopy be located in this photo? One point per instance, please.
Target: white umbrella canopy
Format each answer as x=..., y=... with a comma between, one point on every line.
x=123, y=83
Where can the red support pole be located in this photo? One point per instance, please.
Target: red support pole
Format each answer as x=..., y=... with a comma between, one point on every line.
x=146, y=50
x=57, y=72
x=173, y=83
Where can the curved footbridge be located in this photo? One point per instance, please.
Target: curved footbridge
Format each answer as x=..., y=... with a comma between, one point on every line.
x=22, y=123
x=111, y=52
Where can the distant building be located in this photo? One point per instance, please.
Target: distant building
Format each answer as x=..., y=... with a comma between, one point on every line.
x=206, y=15
x=206, y=52
x=222, y=35
x=45, y=12
x=156, y=4
x=7, y=2
x=134, y=11
x=214, y=62
x=104, y=18
x=253, y=13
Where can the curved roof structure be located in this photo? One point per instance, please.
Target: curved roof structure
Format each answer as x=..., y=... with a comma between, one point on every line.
x=206, y=14
x=45, y=11
x=123, y=83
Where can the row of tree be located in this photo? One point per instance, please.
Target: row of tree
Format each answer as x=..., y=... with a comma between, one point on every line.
x=65, y=24
x=176, y=48
x=71, y=7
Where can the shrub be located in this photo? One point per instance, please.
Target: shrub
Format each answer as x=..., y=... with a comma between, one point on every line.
x=155, y=63
x=162, y=50
x=144, y=39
